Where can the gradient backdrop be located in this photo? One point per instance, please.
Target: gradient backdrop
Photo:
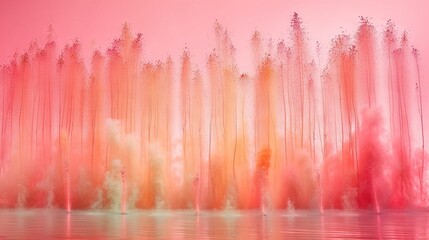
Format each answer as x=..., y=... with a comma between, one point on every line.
x=170, y=26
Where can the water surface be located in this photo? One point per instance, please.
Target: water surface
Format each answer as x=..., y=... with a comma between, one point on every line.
x=57, y=224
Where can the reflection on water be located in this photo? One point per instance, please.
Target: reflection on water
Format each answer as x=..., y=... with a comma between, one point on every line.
x=46, y=224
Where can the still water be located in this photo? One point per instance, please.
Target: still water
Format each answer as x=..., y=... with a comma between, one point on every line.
x=57, y=224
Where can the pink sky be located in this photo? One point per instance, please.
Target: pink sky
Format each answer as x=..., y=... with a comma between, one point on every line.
x=169, y=26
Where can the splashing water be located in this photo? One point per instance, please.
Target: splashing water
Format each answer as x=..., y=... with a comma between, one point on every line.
x=290, y=134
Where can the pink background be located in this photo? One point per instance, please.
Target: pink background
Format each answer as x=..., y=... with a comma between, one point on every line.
x=169, y=26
